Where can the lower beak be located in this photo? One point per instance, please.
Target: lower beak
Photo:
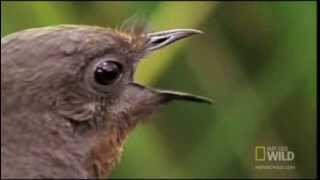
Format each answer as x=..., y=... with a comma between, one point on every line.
x=167, y=96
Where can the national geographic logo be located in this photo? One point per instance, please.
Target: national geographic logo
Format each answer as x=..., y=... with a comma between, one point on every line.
x=270, y=157
x=273, y=153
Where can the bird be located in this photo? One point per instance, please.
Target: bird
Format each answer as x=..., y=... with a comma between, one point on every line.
x=69, y=99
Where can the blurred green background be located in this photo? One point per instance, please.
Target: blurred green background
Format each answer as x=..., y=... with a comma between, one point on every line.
x=256, y=60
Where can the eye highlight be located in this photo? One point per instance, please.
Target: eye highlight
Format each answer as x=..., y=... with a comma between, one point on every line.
x=107, y=72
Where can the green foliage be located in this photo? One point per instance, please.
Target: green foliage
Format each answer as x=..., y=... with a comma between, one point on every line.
x=257, y=60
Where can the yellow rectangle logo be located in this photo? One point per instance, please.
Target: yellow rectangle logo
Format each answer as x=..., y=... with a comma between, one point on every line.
x=260, y=153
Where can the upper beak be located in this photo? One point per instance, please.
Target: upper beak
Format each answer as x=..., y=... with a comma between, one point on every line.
x=161, y=39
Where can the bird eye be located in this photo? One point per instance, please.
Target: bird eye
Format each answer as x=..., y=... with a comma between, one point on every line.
x=107, y=72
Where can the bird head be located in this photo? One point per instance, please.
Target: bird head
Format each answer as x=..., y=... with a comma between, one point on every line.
x=85, y=72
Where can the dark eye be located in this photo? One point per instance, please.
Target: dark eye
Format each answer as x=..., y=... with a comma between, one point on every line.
x=107, y=72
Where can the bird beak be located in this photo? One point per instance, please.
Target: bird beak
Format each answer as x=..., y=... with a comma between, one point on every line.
x=161, y=39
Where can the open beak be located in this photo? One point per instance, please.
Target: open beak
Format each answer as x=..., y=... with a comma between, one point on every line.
x=161, y=39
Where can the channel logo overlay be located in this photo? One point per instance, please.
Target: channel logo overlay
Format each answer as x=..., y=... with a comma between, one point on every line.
x=274, y=157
